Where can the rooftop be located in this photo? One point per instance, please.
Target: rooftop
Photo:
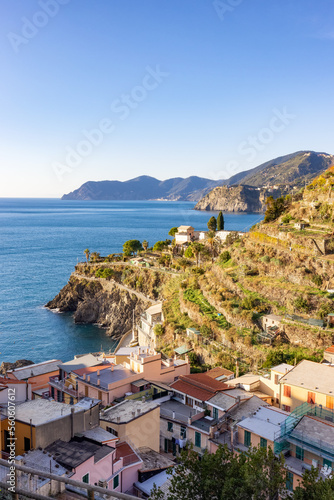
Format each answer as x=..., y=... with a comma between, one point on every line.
x=219, y=372
x=127, y=410
x=155, y=309
x=152, y=460
x=184, y=228
x=247, y=379
x=314, y=434
x=282, y=368
x=36, y=369
x=76, y=452
x=274, y=317
x=330, y=349
x=265, y=422
x=198, y=385
x=161, y=480
x=99, y=435
x=223, y=401
x=125, y=351
x=41, y=411
x=79, y=362
x=183, y=349
x=247, y=407
x=182, y=412
x=204, y=423
x=42, y=461
x=10, y=381
x=310, y=375
x=114, y=373
x=86, y=403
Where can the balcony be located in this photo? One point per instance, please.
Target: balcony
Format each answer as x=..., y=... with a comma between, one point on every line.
x=62, y=387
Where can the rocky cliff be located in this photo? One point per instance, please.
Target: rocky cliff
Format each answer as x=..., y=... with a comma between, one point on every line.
x=101, y=302
x=236, y=199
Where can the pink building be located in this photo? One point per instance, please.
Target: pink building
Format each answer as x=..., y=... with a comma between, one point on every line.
x=116, y=381
x=96, y=458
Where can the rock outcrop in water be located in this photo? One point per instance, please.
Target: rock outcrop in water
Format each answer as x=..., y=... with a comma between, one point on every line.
x=99, y=301
x=5, y=366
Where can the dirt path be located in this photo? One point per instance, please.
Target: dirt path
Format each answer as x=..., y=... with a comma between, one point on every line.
x=110, y=284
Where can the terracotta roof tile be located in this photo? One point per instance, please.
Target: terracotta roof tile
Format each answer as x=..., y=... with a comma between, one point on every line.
x=330, y=349
x=218, y=372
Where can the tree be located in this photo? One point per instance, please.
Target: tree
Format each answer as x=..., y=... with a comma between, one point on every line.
x=212, y=224
x=145, y=245
x=275, y=208
x=87, y=253
x=220, y=222
x=159, y=246
x=189, y=252
x=197, y=249
x=173, y=231
x=131, y=247
x=225, y=256
x=314, y=488
x=213, y=244
x=183, y=263
x=94, y=256
x=257, y=474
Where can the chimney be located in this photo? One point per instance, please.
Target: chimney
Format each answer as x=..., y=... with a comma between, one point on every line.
x=98, y=381
x=98, y=373
x=173, y=415
x=143, y=399
x=88, y=378
x=189, y=420
x=84, y=376
x=138, y=411
x=112, y=368
x=133, y=413
x=118, y=419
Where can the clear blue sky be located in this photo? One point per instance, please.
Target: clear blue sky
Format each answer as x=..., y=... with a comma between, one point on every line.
x=179, y=88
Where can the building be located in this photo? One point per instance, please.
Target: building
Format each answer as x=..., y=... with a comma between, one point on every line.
x=36, y=375
x=194, y=334
x=195, y=389
x=184, y=234
x=260, y=429
x=136, y=422
x=149, y=319
x=329, y=355
x=271, y=320
x=40, y=422
x=113, y=466
x=10, y=388
x=220, y=374
x=118, y=380
x=308, y=382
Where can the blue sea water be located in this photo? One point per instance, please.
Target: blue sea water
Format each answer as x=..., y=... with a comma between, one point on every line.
x=41, y=240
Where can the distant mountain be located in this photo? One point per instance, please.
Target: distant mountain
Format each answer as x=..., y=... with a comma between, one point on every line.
x=294, y=169
x=145, y=188
x=248, y=191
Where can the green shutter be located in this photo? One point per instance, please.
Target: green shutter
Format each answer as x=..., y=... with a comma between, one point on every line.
x=85, y=478
x=263, y=443
x=116, y=481
x=247, y=438
x=289, y=481
x=299, y=453
x=215, y=413
x=198, y=439
x=327, y=462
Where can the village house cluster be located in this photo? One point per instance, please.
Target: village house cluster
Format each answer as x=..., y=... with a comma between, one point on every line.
x=118, y=421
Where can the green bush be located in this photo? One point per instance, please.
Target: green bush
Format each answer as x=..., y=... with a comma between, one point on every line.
x=317, y=280
x=224, y=256
x=105, y=273
x=286, y=218
x=301, y=304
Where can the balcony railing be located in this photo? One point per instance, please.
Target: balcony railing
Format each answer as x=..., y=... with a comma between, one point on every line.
x=61, y=386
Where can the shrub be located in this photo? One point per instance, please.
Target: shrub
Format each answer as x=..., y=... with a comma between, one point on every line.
x=105, y=273
x=301, y=304
x=286, y=218
x=224, y=256
x=317, y=280
x=265, y=259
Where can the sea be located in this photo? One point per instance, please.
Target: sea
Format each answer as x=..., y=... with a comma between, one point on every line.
x=41, y=240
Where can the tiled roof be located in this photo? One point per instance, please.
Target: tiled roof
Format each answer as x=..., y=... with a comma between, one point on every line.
x=218, y=372
x=25, y=372
x=198, y=386
x=192, y=391
x=5, y=381
x=330, y=349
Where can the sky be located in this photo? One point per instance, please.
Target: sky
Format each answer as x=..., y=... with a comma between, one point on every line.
x=114, y=89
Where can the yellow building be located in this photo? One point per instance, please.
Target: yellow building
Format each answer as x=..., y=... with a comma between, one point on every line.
x=308, y=382
x=135, y=422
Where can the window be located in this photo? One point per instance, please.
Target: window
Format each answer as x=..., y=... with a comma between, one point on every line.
x=183, y=432
x=299, y=453
x=327, y=462
x=116, y=482
x=247, y=438
x=85, y=478
x=170, y=426
x=289, y=481
x=26, y=444
x=263, y=443
x=330, y=402
x=287, y=391
x=112, y=431
x=198, y=439
x=276, y=379
x=311, y=398
x=215, y=413
x=286, y=408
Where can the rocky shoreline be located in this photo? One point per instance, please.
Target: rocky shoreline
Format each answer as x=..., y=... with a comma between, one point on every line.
x=98, y=301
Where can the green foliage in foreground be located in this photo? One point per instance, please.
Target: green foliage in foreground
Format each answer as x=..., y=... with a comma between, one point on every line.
x=106, y=273
x=290, y=355
x=256, y=475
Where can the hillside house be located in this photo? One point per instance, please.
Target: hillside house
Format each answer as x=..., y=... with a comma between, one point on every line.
x=151, y=317
x=185, y=234
x=36, y=375
x=271, y=320
x=195, y=389
x=307, y=382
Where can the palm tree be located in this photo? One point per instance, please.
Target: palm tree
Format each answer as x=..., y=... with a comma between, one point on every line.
x=197, y=248
x=87, y=253
x=213, y=244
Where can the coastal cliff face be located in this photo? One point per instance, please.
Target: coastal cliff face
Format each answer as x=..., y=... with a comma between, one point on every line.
x=101, y=302
x=236, y=199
